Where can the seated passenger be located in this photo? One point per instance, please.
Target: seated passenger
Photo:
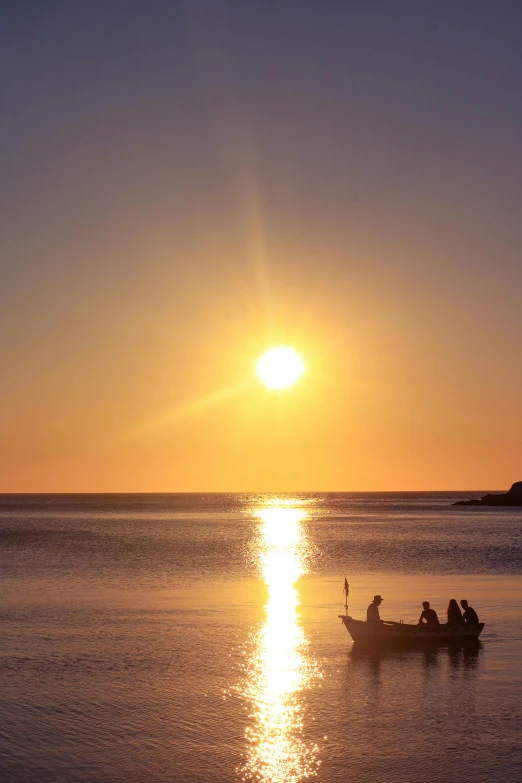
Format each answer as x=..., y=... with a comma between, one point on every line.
x=372, y=613
x=470, y=616
x=454, y=614
x=428, y=616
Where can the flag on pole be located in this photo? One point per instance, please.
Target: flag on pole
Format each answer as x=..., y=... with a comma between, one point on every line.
x=346, y=587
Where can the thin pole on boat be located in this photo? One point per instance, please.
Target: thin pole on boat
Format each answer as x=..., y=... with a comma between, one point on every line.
x=346, y=591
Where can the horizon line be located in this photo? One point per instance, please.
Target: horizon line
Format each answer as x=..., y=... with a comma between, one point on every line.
x=258, y=492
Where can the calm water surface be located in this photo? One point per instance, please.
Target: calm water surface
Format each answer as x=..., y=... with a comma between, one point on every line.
x=195, y=638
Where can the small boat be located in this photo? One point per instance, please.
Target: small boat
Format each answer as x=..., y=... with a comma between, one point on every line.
x=361, y=631
x=393, y=632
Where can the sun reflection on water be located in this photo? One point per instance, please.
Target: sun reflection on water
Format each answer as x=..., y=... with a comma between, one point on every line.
x=279, y=668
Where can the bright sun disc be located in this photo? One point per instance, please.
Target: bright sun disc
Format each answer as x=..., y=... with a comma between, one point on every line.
x=280, y=367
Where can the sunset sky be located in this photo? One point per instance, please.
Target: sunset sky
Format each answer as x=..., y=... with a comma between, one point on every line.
x=185, y=184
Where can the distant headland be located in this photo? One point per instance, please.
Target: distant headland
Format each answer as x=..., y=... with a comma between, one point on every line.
x=511, y=498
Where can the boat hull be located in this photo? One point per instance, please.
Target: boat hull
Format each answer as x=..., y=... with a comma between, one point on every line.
x=378, y=633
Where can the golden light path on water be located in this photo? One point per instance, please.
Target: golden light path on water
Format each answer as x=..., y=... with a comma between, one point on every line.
x=279, y=668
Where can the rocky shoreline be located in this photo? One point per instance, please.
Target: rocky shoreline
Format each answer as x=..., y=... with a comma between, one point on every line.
x=511, y=498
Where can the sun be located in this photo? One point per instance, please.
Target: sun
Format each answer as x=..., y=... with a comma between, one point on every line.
x=280, y=367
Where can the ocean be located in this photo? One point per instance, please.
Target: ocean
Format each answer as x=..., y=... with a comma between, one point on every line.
x=159, y=638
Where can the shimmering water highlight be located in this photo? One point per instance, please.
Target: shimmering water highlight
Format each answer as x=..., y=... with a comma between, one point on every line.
x=280, y=668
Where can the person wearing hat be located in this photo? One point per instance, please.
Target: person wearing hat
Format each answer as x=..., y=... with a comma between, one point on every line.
x=372, y=613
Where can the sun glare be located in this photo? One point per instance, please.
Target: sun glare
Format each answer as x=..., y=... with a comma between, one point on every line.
x=280, y=367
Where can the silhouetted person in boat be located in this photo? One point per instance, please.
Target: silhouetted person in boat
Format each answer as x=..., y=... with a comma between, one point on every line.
x=454, y=614
x=428, y=616
x=470, y=616
x=372, y=613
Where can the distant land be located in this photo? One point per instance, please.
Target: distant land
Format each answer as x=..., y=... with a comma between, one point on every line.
x=511, y=498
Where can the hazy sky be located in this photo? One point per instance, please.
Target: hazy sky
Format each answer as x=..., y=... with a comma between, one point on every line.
x=185, y=184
